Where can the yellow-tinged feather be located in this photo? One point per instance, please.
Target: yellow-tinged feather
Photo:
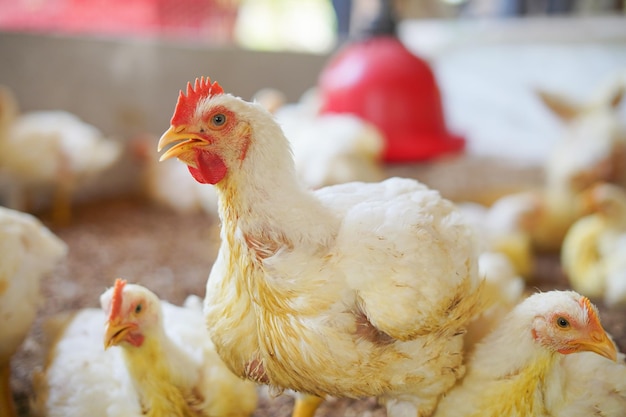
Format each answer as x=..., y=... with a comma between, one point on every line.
x=527, y=386
x=580, y=256
x=152, y=378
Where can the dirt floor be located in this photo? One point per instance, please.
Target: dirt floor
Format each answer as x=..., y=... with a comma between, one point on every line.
x=172, y=255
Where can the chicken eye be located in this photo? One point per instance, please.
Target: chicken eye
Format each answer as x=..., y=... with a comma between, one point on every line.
x=138, y=309
x=562, y=323
x=218, y=119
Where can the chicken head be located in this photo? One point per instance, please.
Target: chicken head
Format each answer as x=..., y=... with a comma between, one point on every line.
x=573, y=326
x=209, y=138
x=132, y=313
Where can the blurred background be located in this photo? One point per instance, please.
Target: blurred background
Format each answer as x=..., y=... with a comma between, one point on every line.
x=118, y=64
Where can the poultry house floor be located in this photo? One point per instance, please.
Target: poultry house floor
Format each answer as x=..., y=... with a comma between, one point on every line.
x=172, y=255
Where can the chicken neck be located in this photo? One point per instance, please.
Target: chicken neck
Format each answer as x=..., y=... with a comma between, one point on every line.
x=520, y=378
x=273, y=211
x=156, y=369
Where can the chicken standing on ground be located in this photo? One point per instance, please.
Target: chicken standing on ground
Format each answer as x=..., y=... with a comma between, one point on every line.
x=593, y=255
x=68, y=152
x=593, y=149
x=165, y=365
x=535, y=364
x=28, y=251
x=354, y=290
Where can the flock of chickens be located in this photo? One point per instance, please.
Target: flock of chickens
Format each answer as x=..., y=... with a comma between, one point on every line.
x=331, y=280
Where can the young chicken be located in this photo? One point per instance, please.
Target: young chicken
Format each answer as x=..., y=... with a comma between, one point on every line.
x=28, y=252
x=593, y=149
x=49, y=149
x=593, y=255
x=353, y=290
x=522, y=368
x=161, y=366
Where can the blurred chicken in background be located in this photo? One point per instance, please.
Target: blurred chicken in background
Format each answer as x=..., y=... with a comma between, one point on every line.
x=28, y=252
x=328, y=149
x=592, y=150
x=505, y=227
x=593, y=255
x=168, y=183
x=44, y=149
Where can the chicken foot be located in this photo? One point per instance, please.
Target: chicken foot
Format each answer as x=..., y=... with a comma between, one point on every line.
x=306, y=405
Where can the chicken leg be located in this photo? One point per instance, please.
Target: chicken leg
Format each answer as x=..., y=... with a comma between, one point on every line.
x=7, y=407
x=306, y=405
x=62, y=205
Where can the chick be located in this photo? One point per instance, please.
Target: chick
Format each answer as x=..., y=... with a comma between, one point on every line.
x=594, y=250
x=157, y=361
x=520, y=368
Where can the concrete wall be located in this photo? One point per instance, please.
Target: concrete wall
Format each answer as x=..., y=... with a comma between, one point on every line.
x=127, y=87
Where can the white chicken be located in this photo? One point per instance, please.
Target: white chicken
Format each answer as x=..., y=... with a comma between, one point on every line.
x=163, y=364
x=353, y=290
x=503, y=289
x=594, y=145
x=593, y=149
x=49, y=149
x=593, y=255
x=506, y=227
x=28, y=252
x=536, y=362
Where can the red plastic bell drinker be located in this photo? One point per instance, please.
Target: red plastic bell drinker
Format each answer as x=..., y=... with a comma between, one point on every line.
x=381, y=81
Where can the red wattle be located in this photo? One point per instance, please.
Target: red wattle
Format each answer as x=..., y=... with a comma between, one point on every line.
x=211, y=168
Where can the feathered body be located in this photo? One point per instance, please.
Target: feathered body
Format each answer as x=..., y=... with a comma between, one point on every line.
x=503, y=289
x=533, y=364
x=28, y=251
x=593, y=255
x=506, y=227
x=353, y=290
x=171, y=370
x=592, y=149
x=49, y=149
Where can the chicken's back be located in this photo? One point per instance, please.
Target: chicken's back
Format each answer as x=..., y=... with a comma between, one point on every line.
x=402, y=241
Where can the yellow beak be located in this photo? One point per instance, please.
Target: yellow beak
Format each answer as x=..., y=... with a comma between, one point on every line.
x=116, y=331
x=600, y=343
x=185, y=141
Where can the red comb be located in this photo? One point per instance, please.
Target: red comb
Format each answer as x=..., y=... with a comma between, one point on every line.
x=116, y=300
x=187, y=103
